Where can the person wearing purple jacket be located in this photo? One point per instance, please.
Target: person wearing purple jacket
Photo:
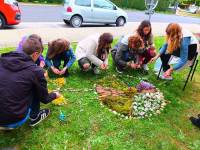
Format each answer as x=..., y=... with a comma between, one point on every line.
x=40, y=62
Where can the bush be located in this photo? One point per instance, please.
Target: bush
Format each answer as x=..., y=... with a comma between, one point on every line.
x=133, y=4
x=140, y=4
x=163, y=5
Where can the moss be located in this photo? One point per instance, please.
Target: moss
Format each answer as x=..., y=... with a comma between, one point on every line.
x=112, y=82
x=116, y=95
x=118, y=103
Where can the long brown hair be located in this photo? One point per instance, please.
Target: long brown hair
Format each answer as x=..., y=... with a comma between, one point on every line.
x=174, y=36
x=144, y=24
x=56, y=47
x=104, y=39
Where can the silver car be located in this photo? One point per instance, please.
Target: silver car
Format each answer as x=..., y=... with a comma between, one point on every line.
x=77, y=12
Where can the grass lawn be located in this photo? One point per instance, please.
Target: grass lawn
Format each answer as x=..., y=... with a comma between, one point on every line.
x=91, y=126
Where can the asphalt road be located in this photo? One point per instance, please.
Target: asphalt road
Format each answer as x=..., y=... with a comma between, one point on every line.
x=43, y=13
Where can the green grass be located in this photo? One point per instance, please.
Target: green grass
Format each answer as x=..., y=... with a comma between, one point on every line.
x=91, y=126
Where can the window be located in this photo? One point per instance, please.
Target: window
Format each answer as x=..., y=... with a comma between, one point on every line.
x=103, y=4
x=66, y=1
x=86, y=3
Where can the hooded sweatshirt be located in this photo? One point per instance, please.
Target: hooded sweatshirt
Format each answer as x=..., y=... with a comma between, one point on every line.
x=21, y=81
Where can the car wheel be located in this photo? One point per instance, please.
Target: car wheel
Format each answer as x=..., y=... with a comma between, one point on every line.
x=76, y=21
x=66, y=22
x=120, y=21
x=2, y=22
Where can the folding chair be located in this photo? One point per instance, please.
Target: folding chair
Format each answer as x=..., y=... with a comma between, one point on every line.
x=192, y=56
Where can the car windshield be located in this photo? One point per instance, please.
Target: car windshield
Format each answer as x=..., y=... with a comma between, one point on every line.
x=9, y=1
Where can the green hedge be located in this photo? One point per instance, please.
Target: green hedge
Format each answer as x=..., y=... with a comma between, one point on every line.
x=132, y=4
x=140, y=4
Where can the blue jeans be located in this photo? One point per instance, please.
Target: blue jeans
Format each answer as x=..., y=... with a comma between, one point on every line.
x=32, y=113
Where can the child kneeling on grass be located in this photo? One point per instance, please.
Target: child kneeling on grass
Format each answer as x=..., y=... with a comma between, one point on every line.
x=92, y=52
x=126, y=53
x=40, y=61
x=145, y=32
x=23, y=86
x=59, y=50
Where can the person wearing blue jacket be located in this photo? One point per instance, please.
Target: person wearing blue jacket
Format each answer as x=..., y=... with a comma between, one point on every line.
x=177, y=44
x=59, y=50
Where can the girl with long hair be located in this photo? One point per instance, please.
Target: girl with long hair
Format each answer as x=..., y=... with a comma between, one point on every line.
x=144, y=30
x=92, y=52
x=178, y=43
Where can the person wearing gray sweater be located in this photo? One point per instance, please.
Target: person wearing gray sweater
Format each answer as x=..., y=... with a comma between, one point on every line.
x=126, y=51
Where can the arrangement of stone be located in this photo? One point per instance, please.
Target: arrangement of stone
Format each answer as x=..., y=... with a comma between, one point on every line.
x=141, y=102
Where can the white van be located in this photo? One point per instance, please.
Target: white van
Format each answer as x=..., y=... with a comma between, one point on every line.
x=77, y=12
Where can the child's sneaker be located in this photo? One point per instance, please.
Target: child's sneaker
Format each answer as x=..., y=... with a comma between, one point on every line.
x=6, y=128
x=96, y=70
x=195, y=121
x=145, y=67
x=44, y=113
x=166, y=77
x=120, y=71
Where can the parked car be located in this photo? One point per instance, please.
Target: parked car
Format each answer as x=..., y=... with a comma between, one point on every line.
x=193, y=9
x=77, y=12
x=9, y=13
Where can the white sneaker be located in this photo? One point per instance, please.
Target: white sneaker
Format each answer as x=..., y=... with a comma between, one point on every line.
x=119, y=71
x=166, y=78
x=145, y=67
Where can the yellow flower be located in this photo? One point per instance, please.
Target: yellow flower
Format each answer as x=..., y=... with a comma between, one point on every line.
x=60, y=81
x=59, y=101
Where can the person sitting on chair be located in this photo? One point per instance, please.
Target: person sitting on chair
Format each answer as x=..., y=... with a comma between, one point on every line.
x=178, y=43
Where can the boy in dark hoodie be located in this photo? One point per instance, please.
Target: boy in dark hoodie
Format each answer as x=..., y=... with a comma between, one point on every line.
x=23, y=86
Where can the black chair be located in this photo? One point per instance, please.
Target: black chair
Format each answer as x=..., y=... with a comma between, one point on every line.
x=192, y=56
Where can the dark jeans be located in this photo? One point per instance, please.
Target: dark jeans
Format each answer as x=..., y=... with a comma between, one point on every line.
x=120, y=67
x=57, y=62
x=166, y=57
x=85, y=60
x=35, y=107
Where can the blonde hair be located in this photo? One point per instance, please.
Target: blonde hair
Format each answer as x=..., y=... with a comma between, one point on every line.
x=174, y=36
